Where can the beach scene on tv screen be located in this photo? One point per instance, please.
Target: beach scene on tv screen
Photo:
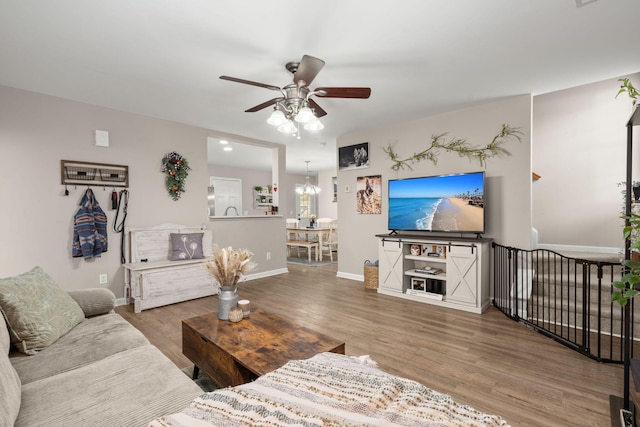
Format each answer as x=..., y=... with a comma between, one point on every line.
x=438, y=203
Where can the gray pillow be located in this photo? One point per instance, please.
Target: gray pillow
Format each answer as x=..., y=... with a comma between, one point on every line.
x=94, y=301
x=37, y=311
x=186, y=246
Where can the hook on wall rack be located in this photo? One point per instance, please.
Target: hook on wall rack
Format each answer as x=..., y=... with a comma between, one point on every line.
x=93, y=174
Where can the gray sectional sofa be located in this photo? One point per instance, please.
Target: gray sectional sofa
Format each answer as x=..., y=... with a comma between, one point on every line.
x=102, y=372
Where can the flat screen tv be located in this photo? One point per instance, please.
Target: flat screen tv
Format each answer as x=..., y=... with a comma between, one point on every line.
x=444, y=203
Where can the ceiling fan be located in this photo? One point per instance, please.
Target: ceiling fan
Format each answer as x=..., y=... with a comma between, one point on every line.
x=295, y=102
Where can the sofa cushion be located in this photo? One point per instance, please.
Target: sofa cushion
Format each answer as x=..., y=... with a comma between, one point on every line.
x=5, y=339
x=94, y=301
x=9, y=381
x=37, y=311
x=92, y=340
x=186, y=246
x=129, y=388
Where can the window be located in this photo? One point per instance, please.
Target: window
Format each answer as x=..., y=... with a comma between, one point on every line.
x=305, y=205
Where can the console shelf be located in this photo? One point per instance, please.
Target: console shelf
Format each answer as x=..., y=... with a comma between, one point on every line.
x=450, y=272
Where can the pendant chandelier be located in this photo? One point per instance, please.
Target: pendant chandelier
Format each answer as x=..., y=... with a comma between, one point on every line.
x=308, y=187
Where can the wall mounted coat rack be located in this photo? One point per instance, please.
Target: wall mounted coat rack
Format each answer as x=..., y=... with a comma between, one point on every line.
x=93, y=174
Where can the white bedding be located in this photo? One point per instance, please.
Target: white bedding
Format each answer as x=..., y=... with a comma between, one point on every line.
x=327, y=390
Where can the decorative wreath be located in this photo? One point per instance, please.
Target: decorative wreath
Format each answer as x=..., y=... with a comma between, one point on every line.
x=176, y=169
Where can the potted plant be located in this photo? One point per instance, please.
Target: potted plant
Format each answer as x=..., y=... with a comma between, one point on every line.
x=628, y=87
x=625, y=288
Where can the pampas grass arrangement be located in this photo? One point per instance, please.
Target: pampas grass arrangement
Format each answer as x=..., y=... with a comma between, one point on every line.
x=229, y=266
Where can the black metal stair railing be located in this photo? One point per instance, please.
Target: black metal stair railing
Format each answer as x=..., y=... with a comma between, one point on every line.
x=567, y=299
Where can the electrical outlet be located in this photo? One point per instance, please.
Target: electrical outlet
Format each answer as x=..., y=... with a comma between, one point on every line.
x=268, y=256
x=103, y=279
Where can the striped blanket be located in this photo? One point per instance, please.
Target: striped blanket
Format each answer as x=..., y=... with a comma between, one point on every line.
x=327, y=390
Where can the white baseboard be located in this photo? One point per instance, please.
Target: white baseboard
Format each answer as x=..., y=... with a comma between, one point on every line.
x=577, y=248
x=269, y=273
x=121, y=301
x=350, y=276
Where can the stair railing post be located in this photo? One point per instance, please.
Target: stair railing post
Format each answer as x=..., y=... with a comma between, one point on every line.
x=516, y=283
x=627, y=255
x=586, y=308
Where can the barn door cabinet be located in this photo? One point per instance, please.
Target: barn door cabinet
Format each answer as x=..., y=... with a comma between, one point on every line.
x=449, y=272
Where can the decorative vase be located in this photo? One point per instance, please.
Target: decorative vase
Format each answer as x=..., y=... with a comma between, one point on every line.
x=227, y=299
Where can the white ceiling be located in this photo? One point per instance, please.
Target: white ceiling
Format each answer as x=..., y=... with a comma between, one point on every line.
x=162, y=58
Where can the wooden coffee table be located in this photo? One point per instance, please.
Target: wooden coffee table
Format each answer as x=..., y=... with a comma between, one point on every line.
x=236, y=353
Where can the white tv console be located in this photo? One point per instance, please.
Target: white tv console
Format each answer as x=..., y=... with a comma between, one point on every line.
x=451, y=272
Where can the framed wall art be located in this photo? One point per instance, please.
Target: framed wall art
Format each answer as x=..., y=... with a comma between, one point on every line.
x=353, y=156
x=368, y=195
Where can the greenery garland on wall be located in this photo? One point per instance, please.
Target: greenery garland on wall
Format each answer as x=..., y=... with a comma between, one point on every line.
x=176, y=169
x=456, y=145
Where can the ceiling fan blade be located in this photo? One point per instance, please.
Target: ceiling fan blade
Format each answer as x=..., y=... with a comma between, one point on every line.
x=263, y=105
x=249, y=82
x=317, y=110
x=343, y=92
x=308, y=69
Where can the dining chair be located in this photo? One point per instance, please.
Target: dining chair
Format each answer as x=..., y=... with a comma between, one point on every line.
x=329, y=239
x=291, y=236
x=292, y=223
x=323, y=222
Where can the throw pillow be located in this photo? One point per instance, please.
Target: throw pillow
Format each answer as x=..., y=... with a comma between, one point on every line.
x=37, y=311
x=186, y=246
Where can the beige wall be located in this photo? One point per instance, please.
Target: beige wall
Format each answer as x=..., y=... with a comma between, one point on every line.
x=580, y=151
x=36, y=132
x=264, y=236
x=508, y=185
x=327, y=208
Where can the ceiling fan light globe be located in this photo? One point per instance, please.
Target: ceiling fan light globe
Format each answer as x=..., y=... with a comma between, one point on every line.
x=276, y=118
x=287, y=127
x=314, y=125
x=305, y=115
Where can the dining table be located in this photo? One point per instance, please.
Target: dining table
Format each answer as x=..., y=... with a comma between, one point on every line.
x=309, y=231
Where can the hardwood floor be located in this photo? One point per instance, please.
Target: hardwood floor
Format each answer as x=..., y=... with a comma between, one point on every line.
x=487, y=361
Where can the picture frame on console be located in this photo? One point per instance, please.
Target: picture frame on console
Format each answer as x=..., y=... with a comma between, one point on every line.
x=439, y=251
x=418, y=284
